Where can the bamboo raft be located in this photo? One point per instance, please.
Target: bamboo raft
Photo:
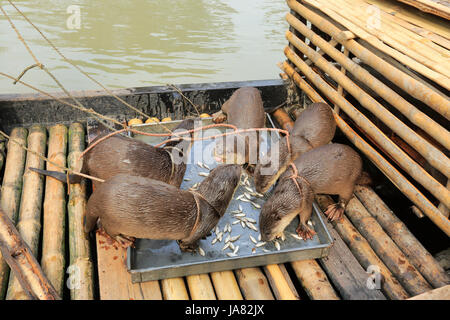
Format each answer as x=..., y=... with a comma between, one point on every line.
x=333, y=56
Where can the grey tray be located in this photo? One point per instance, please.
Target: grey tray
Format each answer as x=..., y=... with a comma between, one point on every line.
x=160, y=259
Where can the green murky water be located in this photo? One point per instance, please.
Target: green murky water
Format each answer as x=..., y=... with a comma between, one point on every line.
x=147, y=42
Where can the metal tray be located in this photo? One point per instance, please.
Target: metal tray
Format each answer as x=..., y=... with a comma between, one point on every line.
x=160, y=259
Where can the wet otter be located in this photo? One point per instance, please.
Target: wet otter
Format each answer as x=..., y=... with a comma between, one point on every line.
x=244, y=109
x=120, y=154
x=138, y=207
x=314, y=127
x=330, y=169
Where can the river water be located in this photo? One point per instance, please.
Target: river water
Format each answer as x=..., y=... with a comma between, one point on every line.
x=143, y=43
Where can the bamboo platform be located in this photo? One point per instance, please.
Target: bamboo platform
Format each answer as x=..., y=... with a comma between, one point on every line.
x=362, y=243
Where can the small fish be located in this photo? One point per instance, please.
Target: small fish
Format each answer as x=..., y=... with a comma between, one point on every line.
x=310, y=223
x=231, y=245
x=231, y=254
x=214, y=241
x=245, y=200
x=236, y=222
x=200, y=164
x=239, y=215
x=265, y=250
x=236, y=249
x=219, y=236
x=260, y=244
x=233, y=239
x=249, y=197
x=242, y=224
x=217, y=230
x=251, y=220
x=240, y=207
x=203, y=174
x=296, y=236
x=187, y=179
x=257, y=206
x=201, y=251
x=251, y=226
x=225, y=229
x=206, y=166
x=277, y=245
x=226, y=246
x=259, y=237
x=227, y=239
x=249, y=189
x=253, y=239
x=239, y=197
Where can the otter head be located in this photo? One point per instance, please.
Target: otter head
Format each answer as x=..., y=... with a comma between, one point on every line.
x=219, y=187
x=273, y=220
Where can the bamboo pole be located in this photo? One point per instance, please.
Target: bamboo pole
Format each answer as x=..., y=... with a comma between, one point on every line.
x=364, y=253
x=417, y=50
x=432, y=7
x=386, y=249
x=174, y=289
x=416, y=116
x=433, y=155
x=254, y=284
x=314, y=280
x=11, y=191
x=425, y=70
x=25, y=267
x=406, y=241
x=226, y=286
x=410, y=85
x=405, y=186
x=200, y=287
x=442, y=293
x=53, y=248
x=29, y=223
x=280, y=285
x=79, y=246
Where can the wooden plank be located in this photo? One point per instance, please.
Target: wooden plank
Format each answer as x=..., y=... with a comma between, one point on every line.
x=280, y=282
x=403, y=238
x=428, y=6
x=314, y=280
x=253, y=284
x=226, y=286
x=442, y=293
x=12, y=190
x=344, y=270
x=174, y=289
x=200, y=287
x=386, y=249
x=114, y=279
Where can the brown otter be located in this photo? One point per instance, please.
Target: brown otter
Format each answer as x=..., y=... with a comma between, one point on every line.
x=121, y=154
x=244, y=109
x=138, y=207
x=314, y=127
x=330, y=169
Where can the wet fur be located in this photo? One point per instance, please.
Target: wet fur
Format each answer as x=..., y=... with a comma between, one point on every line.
x=314, y=127
x=140, y=207
x=124, y=155
x=244, y=109
x=330, y=169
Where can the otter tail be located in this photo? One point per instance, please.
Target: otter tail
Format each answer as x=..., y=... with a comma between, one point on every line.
x=60, y=176
x=364, y=179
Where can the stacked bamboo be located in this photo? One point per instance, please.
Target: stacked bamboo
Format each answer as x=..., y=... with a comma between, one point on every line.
x=29, y=223
x=439, y=8
x=427, y=62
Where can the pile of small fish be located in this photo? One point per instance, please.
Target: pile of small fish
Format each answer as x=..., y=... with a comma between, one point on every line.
x=250, y=195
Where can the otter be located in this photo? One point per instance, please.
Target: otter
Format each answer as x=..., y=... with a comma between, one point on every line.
x=314, y=127
x=244, y=109
x=138, y=207
x=330, y=169
x=121, y=154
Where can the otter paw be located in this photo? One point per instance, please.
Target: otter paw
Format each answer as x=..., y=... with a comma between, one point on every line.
x=187, y=247
x=219, y=118
x=125, y=241
x=305, y=232
x=335, y=212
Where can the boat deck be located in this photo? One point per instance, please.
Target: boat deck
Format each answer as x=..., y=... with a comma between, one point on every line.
x=371, y=241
